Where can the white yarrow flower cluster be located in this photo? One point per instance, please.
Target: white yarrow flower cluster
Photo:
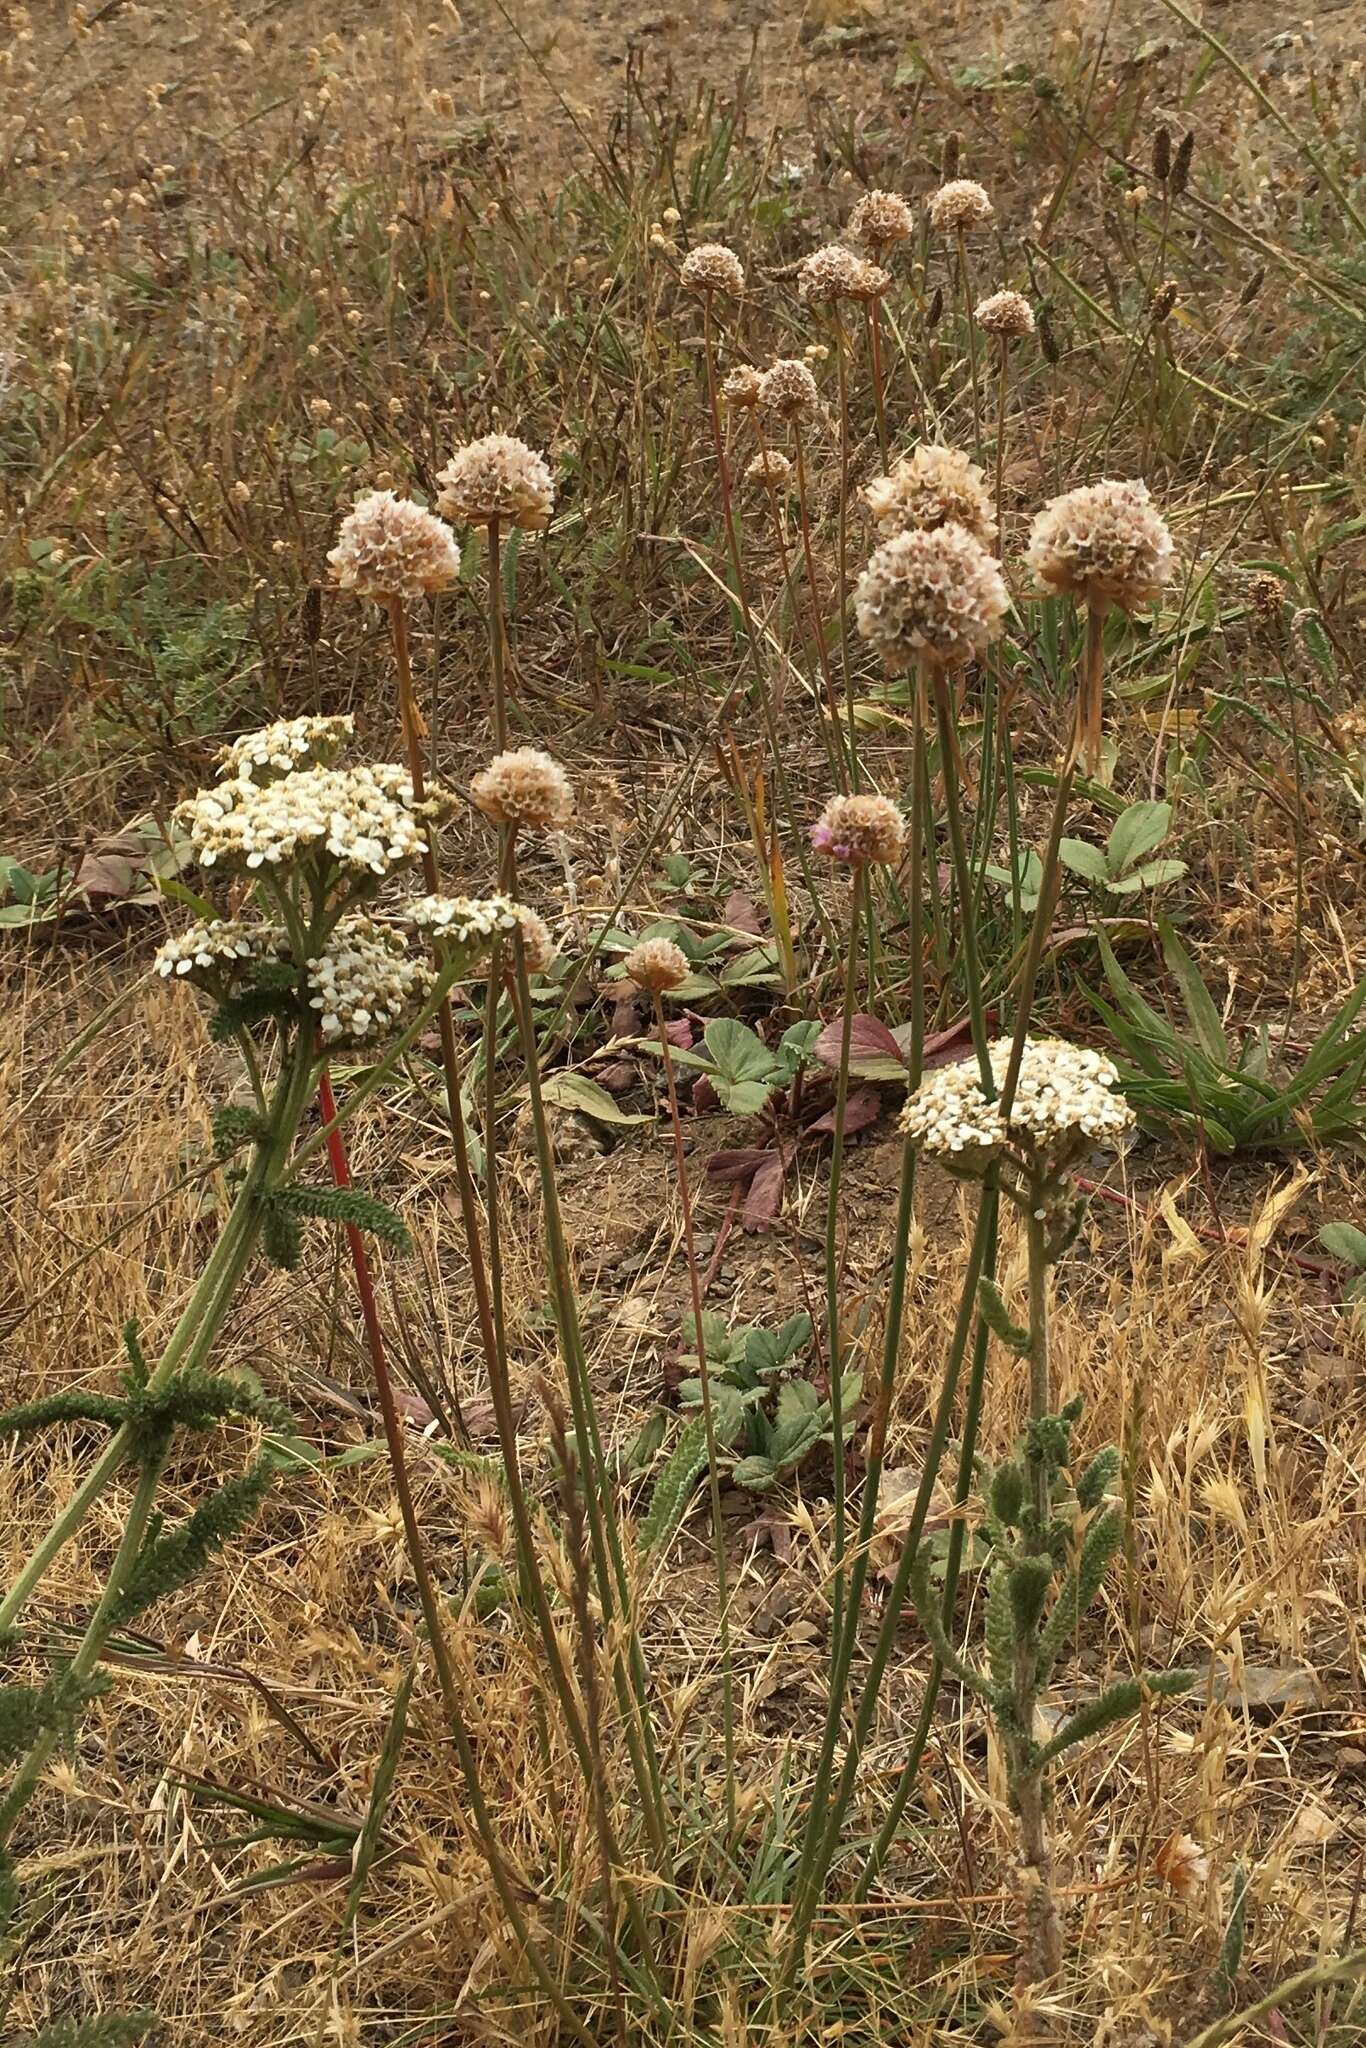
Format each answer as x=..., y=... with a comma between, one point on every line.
x=462, y=918
x=366, y=818
x=364, y=982
x=216, y=951
x=288, y=744
x=1065, y=1094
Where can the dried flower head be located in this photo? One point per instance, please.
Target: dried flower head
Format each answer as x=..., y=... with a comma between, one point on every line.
x=873, y=282
x=958, y=206
x=1103, y=544
x=657, y=965
x=1065, y=1097
x=288, y=744
x=388, y=547
x=932, y=596
x=769, y=467
x=1007, y=315
x=1182, y=1865
x=787, y=390
x=366, y=819
x=742, y=387
x=711, y=267
x=859, y=829
x=538, y=944
x=497, y=478
x=525, y=788
x=364, y=981
x=829, y=274
x=932, y=487
x=880, y=221
x=218, y=955
x=1266, y=595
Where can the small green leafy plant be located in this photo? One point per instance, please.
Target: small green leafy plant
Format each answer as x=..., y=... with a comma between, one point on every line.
x=1237, y=1095
x=764, y=1409
x=745, y=1072
x=1124, y=865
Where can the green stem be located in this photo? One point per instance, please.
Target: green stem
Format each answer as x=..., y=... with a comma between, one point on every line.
x=718, y=1524
x=497, y=639
x=962, y=877
x=834, y=1349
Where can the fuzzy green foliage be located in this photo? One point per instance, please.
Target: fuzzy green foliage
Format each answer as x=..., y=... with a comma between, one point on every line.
x=30, y=1711
x=1231, y=1947
x=169, y=1559
x=105, y=2030
x=69, y=1404
x=282, y=1237
x=1097, y=1479
x=997, y=1317
x=1081, y=1585
x=1006, y=1494
x=1000, y=1629
x=342, y=1205
x=234, y=1126
x=1028, y=1582
x=274, y=998
x=1120, y=1703
x=927, y=1607
x=687, y=1462
x=9, y=1892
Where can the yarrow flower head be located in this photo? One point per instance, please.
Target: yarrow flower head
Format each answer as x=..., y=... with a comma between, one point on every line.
x=497, y=478
x=859, y=829
x=526, y=788
x=769, y=467
x=364, y=981
x=1066, y=1098
x=1007, y=315
x=880, y=221
x=1102, y=544
x=787, y=390
x=461, y=920
x=288, y=744
x=217, y=955
x=388, y=547
x=931, y=487
x=365, y=820
x=657, y=965
x=742, y=387
x=829, y=274
x=960, y=205
x=935, y=597
x=711, y=267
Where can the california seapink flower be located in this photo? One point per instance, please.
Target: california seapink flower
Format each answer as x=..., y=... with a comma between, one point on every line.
x=741, y=388
x=538, y=945
x=860, y=829
x=830, y=274
x=525, y=788
x=498, y=479
x=959, y=205
x=388, y=548
x=787, y=390
x=711, y=267
x=933, y=597
x=1006, y=315
x=1103, y=544
x=880, y=221
x=933, y=486
x=657, y=965
x=769, y=467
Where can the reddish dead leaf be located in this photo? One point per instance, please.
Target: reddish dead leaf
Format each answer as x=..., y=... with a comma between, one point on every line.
x=740, y=912
x=679, y=1032
x=617, y=1076
x=765, y=1197
x=412, y=1407
x=112, y=870
x=628, y=1013
x=869, y=1038
x=738, y=1164
x=704, y=1096
x=859, y=1111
